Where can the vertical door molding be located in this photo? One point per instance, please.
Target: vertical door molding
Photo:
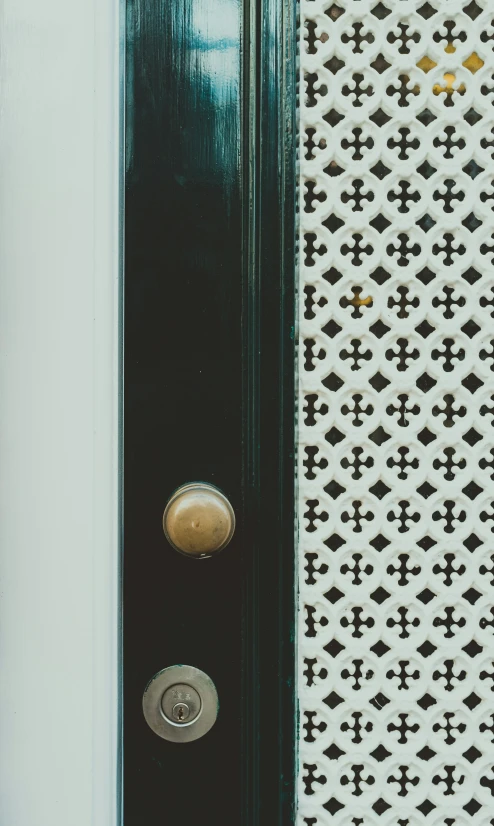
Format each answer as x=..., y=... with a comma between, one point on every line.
x=269, y=340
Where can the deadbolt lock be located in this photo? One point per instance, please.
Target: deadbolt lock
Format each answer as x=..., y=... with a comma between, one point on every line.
x=180, y=703
x=198, y=520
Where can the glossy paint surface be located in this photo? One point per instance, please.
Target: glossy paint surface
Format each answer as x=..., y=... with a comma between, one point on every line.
x=182, y=391
x=209, y=367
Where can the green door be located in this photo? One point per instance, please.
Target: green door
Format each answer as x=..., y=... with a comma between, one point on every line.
x=208, y=398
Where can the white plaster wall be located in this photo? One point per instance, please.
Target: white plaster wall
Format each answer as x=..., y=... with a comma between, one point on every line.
x=58, y=412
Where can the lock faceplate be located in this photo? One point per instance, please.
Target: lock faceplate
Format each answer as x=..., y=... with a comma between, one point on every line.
x=180, y=703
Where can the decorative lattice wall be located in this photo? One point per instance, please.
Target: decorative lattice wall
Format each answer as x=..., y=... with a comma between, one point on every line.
x=396, y=466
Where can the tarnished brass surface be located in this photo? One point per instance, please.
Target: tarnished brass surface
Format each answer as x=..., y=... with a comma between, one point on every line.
x=198, y=520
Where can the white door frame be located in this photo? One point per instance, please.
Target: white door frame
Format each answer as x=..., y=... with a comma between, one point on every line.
x=59, y=412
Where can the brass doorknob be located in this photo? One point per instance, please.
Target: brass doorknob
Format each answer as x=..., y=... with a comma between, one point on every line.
x=198, y=520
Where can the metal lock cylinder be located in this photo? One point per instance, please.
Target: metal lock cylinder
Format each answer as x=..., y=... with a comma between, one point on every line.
x=180, y=703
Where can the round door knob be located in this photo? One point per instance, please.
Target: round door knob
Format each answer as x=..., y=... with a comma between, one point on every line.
x=198, y=520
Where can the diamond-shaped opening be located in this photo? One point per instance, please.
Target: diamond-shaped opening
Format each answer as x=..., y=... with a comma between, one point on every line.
x=426, y=169
x=473, y=169
x=334, y=594
x=424, y=329
x=472, y=383
x=425, y=382
x=472, y=701
x=379, y=382
x=380, y=753
x=333, y=117
x=333, y=169
x=426, y=596
x=333, y=382
x=334, y=489
x=425, y=275
x=379, y=436
x=426, y=117
x=333, y=806
x=334, y=542
x=334, y=436
x=334, y=752
x=332, y=276
x=379, y=543
x=427, y=11
x=334, y=648
x=472, y=117
x=379, y=701
x=333, y=223
x=426, y=649
x=380, y=595
x=472, y=807
x=426, y=807
x=380, y=806
x=380, y=276
x=380, y=64
x=472, y=437
x=472, y=754
x=471, y=328
x=380, y=489
x=426, y=543
x=472, y=542
x=471, y=222
x=426, y=701
x=472, y=490
x=473, y=649
x=379, y=329
x=426, y=223
x=473, y=10
x=335, y=11
x=471, y=275
x=380, y=223
x=333, y=700
x=380, y=11
x=380, y=170
x=425, y=436
x=334, y=64
x=331, y=329
x=426, y=753
x=426, y=490
x=380, y=648
x=379, y=117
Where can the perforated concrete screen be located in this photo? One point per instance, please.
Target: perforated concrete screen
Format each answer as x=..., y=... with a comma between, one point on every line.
x=396, y=456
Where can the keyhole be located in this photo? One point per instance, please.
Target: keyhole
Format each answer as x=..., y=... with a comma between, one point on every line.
x=181, y=712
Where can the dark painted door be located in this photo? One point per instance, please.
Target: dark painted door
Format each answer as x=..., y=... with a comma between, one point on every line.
x=208, y=389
